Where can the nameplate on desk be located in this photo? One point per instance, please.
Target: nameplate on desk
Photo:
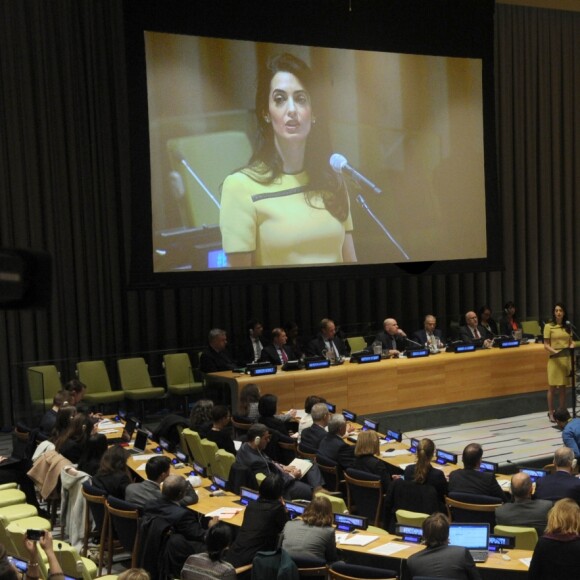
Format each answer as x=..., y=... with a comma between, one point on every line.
x=365, y=357
x=393, y=435
x=463, y=348
x=509, y=343
x=316, y=363
x=409, y=533
x=294, y=509
x=444, y=457
x=348, y=523
x=499, y=543
x=416, y=353
x=489, y=467
x=414, y=445
x=259, y=369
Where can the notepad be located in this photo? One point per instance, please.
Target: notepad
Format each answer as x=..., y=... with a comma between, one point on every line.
x=388, y=549
x=358, y=540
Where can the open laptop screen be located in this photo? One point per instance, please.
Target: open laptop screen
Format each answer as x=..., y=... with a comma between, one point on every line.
x=470, y=536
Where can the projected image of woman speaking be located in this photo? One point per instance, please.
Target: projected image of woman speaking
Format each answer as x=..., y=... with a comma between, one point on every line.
x=287, y=206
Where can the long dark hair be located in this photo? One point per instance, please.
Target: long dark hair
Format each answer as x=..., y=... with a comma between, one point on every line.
x=266, y=164
x=424, y=455
x=564, y=317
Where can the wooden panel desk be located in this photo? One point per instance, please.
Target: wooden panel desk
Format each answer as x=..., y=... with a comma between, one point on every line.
x=397, y=384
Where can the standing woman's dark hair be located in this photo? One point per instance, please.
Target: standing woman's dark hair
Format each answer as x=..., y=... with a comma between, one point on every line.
x=564, y=315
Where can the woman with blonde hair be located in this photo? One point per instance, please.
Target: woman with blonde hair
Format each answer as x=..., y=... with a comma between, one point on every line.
x=365, y=453
x=557, y=552
x=134, y=574
x=423, y=472
x=313, y=535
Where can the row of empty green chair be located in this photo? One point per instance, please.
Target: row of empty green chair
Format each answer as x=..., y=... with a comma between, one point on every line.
x=134, y=379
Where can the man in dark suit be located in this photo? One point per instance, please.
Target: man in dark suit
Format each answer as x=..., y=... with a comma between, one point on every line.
x=278, y=352
x=215, y=357
x=393, y=339
x=429, y=335
x=326, y=342
x=473, y=332
x=334, y=446
x=561, y=483
x=253, y=343
x=524, y=511
x=312, y=436
x=470, y=479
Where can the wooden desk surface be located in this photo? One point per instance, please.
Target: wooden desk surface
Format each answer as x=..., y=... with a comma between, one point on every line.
x=394, y=384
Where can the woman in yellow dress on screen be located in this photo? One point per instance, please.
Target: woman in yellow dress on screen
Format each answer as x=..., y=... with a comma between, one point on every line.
x=287, y=207
x=557, y=335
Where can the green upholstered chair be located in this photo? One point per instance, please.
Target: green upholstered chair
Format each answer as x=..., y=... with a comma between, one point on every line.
x=410, y=518
x=338, y=504
x=136, y=381
x=209, y=450
x=11, y=485
x=25, y=515
x=93, y=374
x=179, y=377
x=526, y=538
x=72, y=563
x=222, y=463
x=195, y=450
x=43, y=383
x=10, y=497
x=357, y=343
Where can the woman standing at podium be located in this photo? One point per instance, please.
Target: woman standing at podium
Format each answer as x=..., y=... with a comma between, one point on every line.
x=557, y=336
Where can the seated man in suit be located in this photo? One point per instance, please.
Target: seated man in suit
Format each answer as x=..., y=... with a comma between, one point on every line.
x=470, y=479
x=157, y=470
x=278, y=352
x=561, y=483
x=215, y=357
x=253, y=343
x=524, y=511
x=326, y=343
x=473, y=332
x=570, y=430
x=393, y=339
x=429, y=336
x=252, y=455
x=334, y=446
x=312, y=436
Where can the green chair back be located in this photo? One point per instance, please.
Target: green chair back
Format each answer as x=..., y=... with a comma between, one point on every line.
x=410, y=518
x=93, y=374
x=134, y=374
x=193, y=442
x=43, y=383
x=222, y=464
x=526, y=538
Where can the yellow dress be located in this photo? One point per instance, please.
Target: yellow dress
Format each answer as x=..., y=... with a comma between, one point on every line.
x=276, y=222
x=558, y=368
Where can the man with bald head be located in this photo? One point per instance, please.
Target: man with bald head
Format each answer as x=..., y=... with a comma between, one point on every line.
x=524, y=511
x=562, y=483
x=393, y=339
x=473, y=332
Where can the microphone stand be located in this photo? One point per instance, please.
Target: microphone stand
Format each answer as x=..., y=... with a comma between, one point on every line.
x=363, y=203
x=199, y=180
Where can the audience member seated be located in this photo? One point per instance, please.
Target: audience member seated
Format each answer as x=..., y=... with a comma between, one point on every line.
x=439, y=558
x=561, y=483
x=334, y=446
x=278, y=352
x=429, y=336
x=248, y=405
x=215, y=357
x=471, y=480
x=423, y=472
x=473, y=332
x=252, y=456
x=264, y=520
x=200, y=418
x=219, y=433
x=61, y=399
x=509, y=322
x=157, y=469
x=557, y=552
x=524, y=511
x=312, y=536
x=306, y=419
x=211, y=563
x=63, y=420
x=486, y=320
x=393, y=339
x=326, y=343
x=570, y=430
x=77, y=392
x=134, y=574
x=92, y=453
x=187, y=534
x=366, y=450
x=71, y=443
x=113, y=475
x=312, y=436
x=253, y=343
x=294, y=340
x=268, y=407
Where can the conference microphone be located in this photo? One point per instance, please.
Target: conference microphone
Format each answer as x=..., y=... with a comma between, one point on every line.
x=339, y=163
x=413, y=342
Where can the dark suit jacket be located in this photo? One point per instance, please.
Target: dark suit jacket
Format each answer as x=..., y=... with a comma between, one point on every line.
x=528, y=513
x=113, y=483
x=312, y=436
x=317, y=346
x=270, y=354
x=435, y=477
x=421, y=336
x=183, y=520
x=375, y=466
x=335, y=448
x=446, y=561
x=477, y=482
x=558, y=485
x=466, y=335
x=386, y=341
x=246, y=353
x=212, y=361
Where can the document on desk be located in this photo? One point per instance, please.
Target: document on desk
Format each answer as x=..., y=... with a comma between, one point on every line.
x=225, y=513
x=394, y=453
x=358, y=540
x=145, y=456
x=526, y=561
x=389, y=549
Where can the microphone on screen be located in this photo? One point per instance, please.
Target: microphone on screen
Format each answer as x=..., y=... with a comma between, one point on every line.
x=339, y=163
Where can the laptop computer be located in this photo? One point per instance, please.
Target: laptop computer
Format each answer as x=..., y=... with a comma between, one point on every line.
x=140, y=443
x=474, y=537
x=129, y=429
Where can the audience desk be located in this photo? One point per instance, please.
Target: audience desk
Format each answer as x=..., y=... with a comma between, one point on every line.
x=395, y=384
